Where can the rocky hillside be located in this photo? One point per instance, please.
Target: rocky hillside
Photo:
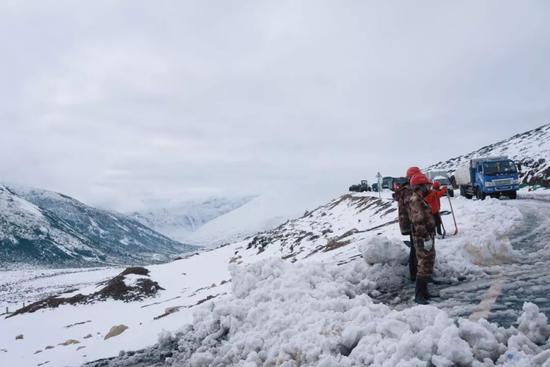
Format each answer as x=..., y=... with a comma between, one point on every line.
x=332, y=226
x=531, y=149
x=44, y=228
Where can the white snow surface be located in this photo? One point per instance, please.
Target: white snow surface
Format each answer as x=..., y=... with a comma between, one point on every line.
x=312, y=314
x=300, y=294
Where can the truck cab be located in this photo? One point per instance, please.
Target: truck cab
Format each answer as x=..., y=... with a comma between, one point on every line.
x=387, y=182
x=494, y=177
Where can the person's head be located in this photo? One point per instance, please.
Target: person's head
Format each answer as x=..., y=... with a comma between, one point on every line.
x=420, y=183
x=436, y=185
x=412, y=171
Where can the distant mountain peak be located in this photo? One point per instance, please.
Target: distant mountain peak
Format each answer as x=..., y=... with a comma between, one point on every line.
x=178, y=220
x=41, y=227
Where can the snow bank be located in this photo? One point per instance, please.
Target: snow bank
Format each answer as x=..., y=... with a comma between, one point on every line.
x=485, y=228
x=312, y=314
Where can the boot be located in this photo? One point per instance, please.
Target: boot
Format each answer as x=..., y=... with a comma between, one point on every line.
x=434, y=281
x=421, y=292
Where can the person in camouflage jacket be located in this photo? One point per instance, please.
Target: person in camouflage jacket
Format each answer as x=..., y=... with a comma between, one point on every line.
x=416, y=220
x=402, y=196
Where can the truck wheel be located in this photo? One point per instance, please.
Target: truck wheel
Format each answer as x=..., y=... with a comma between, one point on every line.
x=513, y=195
x=464, y=193
x=480, y=194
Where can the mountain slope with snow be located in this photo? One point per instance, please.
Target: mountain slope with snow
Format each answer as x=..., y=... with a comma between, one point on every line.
x=39, y=227
x=531, y=149
x=262, y=213
x=179, y=221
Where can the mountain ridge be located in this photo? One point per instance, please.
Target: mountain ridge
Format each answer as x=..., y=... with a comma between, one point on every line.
x=44, y=228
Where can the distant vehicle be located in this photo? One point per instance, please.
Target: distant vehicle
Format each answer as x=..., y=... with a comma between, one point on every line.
x=362, y=187
x=493, y=176
x=375, y=187
x=386, y=182
x=397, y=182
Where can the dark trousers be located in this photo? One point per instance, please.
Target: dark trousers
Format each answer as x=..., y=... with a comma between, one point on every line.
x=413, y=262
x=438, y=223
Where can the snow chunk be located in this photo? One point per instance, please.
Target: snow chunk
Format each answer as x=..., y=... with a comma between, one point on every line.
x=382, y=250
x=534, y=324
x=453, y=349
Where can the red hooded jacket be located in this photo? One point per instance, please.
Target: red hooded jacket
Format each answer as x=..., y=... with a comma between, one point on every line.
x=433, y=199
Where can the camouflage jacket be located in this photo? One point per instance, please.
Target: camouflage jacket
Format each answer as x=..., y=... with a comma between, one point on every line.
x=403, y=196
x=415, y=215
x=420, y=215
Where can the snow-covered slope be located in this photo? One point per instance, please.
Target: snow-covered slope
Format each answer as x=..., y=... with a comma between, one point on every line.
x=531, y=149
x=44, y=228
x=262, y=213
x=178, y=221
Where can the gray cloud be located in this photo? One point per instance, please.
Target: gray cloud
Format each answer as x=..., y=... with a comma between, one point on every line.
x=120, y=102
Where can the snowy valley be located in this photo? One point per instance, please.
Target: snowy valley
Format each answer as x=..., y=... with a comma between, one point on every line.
x=326, y=288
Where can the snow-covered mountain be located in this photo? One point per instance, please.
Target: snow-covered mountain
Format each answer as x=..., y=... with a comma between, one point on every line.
x=44, y=228
x=179, y=221
x=531, y=149
x=262, y=213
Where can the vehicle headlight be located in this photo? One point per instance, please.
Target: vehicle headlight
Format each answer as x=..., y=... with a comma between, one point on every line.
x=517, y=181
x=489, y=184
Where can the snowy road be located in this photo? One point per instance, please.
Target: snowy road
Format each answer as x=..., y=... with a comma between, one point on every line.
x=499, y=292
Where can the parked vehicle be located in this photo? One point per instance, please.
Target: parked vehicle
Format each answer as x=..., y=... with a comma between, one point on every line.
x=375, y=187
x=397, y=182
x=387, y=182
x=493, y=176
x=362, y=187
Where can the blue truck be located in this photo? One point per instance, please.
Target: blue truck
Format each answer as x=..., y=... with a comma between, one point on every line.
x=491, y=176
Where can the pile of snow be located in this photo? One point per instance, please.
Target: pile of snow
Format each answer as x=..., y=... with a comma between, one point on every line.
x=283, y=314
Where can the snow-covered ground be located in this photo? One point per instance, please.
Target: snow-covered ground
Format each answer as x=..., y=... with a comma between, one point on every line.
x=308, y=293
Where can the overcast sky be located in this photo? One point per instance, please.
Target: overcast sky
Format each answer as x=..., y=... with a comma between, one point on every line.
x=123, y=102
